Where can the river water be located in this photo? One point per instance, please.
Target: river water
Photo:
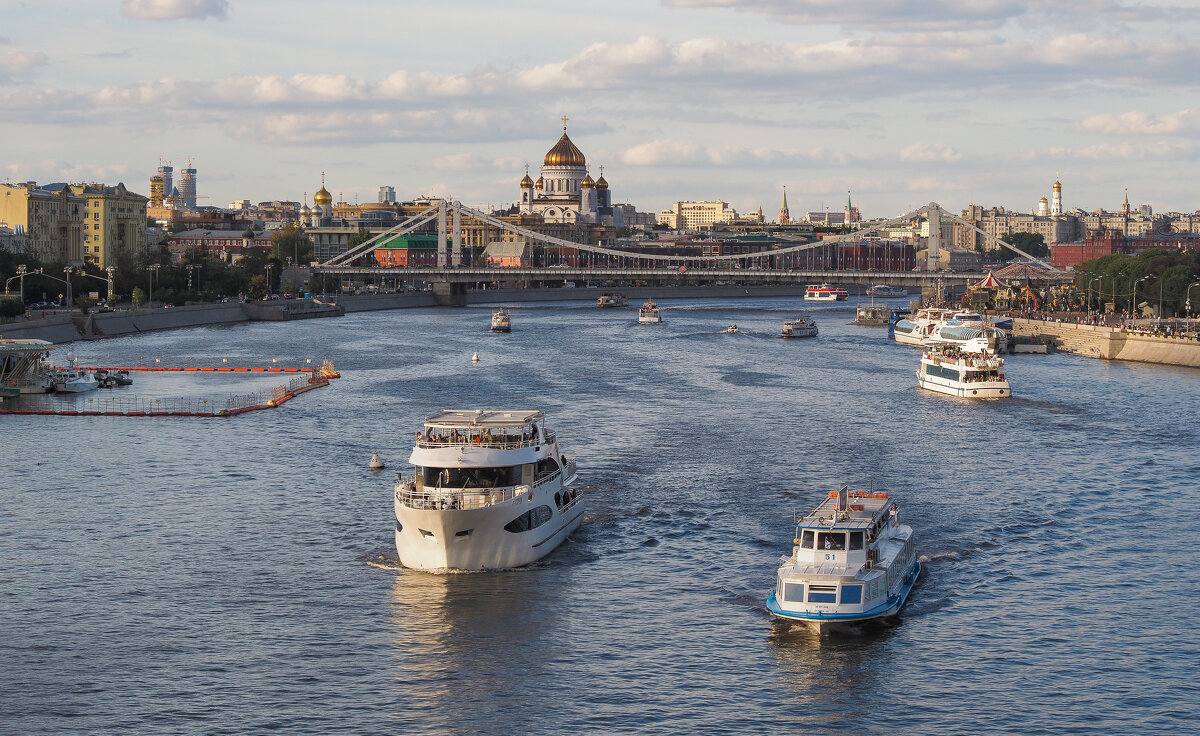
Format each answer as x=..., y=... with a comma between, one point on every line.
x=237, y=576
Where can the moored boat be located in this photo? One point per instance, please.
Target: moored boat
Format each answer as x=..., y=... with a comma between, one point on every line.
x=950, y=370
x=825, y=293
x=800, y=326
x=852, y=561
x=649, y=314
x=490, y=490
x=501, y=322
x=884, y=291
x=732, y=329
x=612, y=300
x=74, y=382
x=971, y=337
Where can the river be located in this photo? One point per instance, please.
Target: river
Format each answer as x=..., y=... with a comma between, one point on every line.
x=237, y=575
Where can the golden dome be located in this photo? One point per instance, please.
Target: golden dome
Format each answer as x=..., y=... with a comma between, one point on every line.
x=587, y=182
x=322, y=196
x=564, y=153
x=602, y=183
x=1057, y=185
x=540, y=183
x=1042, y=200
x=526, y=182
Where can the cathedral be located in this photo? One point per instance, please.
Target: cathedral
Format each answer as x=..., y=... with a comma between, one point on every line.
x=564, y=191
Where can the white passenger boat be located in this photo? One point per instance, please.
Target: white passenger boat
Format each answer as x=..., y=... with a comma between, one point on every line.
x=953, y=371
x=852, y=561
x=491, y=489
x=612, y=300
x=24, y=368
x=883, y=291
x=976, y=337
x=913, y=329
x=648, y=314
x=825, y=293
x=501, y=321
x=800, y=326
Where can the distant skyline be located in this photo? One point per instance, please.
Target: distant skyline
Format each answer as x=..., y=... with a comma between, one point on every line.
x=898, y=101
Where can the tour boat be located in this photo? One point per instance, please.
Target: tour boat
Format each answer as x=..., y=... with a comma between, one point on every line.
x=883, y=291
x=490, y=490
x=825, y=293
x=501, y=321
x=612, y=300
x=953, y=371
x=913, y=329
x=974, y=338
x=801, y=326
x=853, y=561
x=648, y=314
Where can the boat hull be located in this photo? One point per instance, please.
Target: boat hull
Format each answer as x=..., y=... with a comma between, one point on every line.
x=433, y=539
x=980, y=390
x=823, y=623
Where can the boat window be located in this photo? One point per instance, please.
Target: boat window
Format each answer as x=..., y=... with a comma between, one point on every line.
x=793, y=592
x=531, y=519
x=806, y=540
x=822, y=594
x=851, y=594
x=470, y=477
x=856, y=540
x=831, y=540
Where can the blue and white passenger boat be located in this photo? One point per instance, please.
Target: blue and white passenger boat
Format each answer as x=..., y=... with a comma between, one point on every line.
x=852, y=561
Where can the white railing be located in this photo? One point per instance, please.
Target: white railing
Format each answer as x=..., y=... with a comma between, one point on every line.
x=454, y=498
x=475, y=437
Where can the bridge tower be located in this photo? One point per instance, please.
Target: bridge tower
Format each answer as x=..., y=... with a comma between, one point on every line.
x=441, y=244
x=933, y=215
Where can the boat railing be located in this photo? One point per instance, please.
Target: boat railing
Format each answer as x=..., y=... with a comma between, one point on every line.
x=475, y=437
x=453, y=498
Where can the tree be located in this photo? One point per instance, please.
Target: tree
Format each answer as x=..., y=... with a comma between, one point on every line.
x=290, y=244
x=1032, y=243
x=139, y=297
x=257, y=287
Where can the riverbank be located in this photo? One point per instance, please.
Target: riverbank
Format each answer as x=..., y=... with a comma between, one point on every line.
x=1112, y=343
x=65, y=328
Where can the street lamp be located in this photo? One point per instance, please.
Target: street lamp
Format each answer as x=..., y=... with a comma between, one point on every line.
x=110, y=271
x=1133, y=306
x=1099, y=295
x=153, y=272
x=269, y=267
x=1187, y=305
x=67, y=271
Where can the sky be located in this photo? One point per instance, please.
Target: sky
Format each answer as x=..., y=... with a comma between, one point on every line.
x=898, y=102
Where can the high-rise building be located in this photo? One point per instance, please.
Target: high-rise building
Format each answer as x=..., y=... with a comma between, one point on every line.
x=156, y=191
x=387, y=194
x=187, y=187
x=167, y=172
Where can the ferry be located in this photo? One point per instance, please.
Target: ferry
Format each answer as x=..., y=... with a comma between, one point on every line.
x=501, y=321
x=648, y=314
x=913, y=329
x=853, y=561
x=953, y=371
x=800, y=326
x=612, y=300
x=972, y=337
x=883, y=291
x=490, y=490
x=24, y=366
x=825, y=293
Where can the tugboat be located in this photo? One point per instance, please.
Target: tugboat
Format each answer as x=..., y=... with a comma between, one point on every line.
x=501, y=321
x=648, y=314
x=801, y=326
x=954, y=371
x=853, y=561
x=491, y=489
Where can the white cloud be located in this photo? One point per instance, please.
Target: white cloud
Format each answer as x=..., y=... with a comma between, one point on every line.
x=16, y=62
x=471, y=162
x=1184, y=122
x=1158, y=151
x=670, y=152
x=175, y=9
x=923, y=152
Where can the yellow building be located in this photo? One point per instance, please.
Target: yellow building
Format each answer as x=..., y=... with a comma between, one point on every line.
x=51, y=218
x=114, y=222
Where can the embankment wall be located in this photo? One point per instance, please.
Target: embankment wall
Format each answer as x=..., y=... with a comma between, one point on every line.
x=1111, y=343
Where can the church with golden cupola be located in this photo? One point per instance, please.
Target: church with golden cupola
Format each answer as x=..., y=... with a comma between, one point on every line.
x=564, y=191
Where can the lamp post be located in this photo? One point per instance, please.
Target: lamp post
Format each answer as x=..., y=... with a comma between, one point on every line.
x=153, y=272
x=110, y=271
x=67, y=271
x=21, y=271
x=1187, y=305
x=1133, y=306
x=1100, y=296
x=269, y=266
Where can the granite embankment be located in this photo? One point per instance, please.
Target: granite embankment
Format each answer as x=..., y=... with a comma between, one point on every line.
x=1112, y=343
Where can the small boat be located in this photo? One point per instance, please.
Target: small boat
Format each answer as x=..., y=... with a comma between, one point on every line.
x=825, y=293
x=501, y=321
x=491, y=490
x=801, y=326
x=648, y=314
x=883, y=291
x=951, y=370
x=732, y=329
x=853, y=561
x=612, y=300
x=75, y=382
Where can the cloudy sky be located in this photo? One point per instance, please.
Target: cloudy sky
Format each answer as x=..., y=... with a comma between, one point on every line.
x=901, y=102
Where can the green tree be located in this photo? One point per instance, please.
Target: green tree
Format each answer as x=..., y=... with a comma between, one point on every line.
x=257, y=287
x=139, y=297
x=1032, y=243
x=290, y=244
